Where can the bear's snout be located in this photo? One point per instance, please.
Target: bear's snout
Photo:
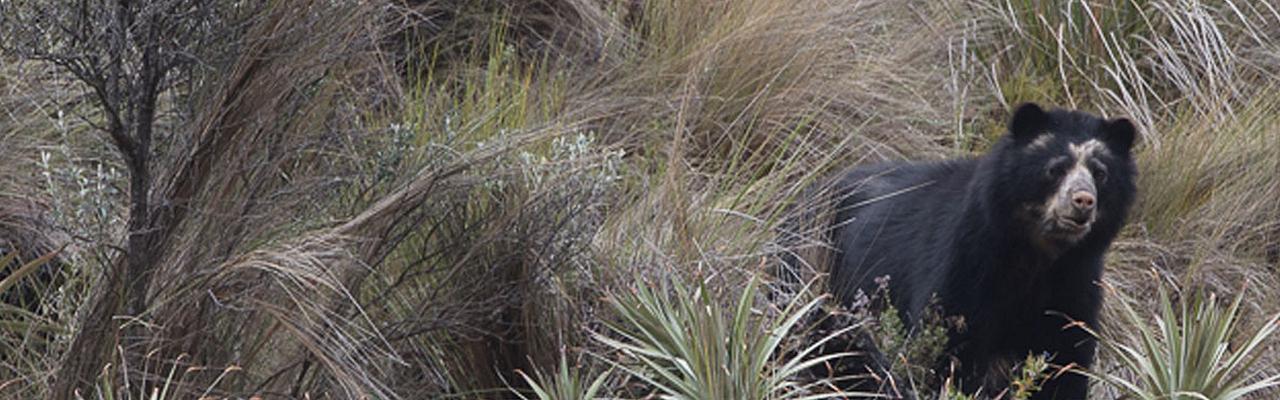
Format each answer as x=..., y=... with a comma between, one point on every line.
x=1071, y=210
x=1081, y=211
x=1082, y=200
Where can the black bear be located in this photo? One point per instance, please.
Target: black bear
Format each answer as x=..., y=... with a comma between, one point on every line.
x=1011, y=243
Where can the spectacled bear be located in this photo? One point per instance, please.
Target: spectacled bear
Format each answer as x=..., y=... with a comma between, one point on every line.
x=1011, y=242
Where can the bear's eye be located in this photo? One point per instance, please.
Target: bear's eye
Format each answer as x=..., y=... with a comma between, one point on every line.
x=1099, y=171
x=1057, y=168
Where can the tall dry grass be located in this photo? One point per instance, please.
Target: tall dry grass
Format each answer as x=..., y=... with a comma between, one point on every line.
x=27, y=233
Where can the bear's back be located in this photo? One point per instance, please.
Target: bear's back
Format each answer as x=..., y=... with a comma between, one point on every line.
x=893, y=220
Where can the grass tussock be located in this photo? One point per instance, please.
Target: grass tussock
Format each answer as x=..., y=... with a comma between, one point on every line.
x=420, y=200
x=1212, y=181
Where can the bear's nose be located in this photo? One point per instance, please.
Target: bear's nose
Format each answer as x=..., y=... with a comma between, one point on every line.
x=1083, y=200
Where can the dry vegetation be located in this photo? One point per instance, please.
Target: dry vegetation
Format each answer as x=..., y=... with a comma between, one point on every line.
x=433, y=198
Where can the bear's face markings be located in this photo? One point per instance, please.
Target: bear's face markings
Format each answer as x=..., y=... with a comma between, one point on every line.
x=1058, y=177
x=1071, y=209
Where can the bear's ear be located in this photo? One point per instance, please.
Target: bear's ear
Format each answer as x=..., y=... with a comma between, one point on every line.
x=1120, y=133
x=1028, y=121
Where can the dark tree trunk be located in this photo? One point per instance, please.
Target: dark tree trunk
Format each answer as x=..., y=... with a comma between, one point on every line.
x=129, y=99
x=123, y=51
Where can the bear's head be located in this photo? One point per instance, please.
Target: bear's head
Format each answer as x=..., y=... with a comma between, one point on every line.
x=1066, y=175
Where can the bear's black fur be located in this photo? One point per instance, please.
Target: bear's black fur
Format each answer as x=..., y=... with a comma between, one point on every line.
x=990, y=239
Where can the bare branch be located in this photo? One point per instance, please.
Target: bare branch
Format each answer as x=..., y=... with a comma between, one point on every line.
x=124, y=51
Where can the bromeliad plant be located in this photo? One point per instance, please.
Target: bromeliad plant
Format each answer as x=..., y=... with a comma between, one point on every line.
x=1193, y=351
x=687, y=345
x=564, y=384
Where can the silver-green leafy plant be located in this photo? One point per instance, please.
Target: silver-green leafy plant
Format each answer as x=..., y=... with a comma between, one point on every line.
x=687, y=345
x=1194, y=350
x=564, y=384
